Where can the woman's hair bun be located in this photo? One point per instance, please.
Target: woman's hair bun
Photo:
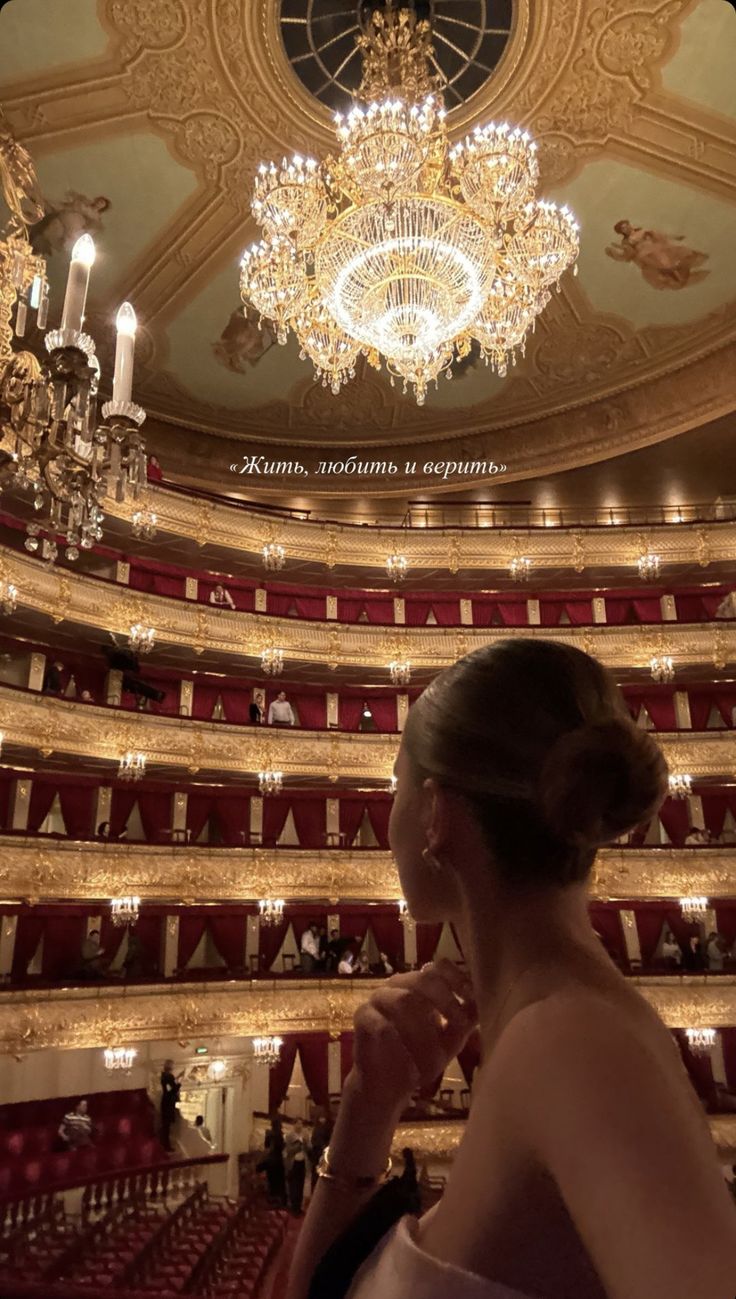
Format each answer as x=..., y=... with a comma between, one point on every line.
x=600, y=780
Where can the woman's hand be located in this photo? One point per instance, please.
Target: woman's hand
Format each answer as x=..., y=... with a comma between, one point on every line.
x=409, y=1031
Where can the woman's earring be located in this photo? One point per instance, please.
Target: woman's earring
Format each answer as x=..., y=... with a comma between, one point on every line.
x=429, y=859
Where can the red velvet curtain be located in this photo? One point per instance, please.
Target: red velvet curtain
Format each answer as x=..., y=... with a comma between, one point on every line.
x=428, y=936
x=307, y=606
x=579, y=610
x=660, y=704
x=728, y=1041
x=62, y=945
x=377, y=609
x=275, y=812
x=148, y=931
x=389, y=932
x=233, y=814
x=236, y=705
x=228, y=933
x=446, y=611
x=199, y=811
x=77, y=809
x=650, y=922
x=726, y=921
x=204, y=698
x=111, y=936
x=279, y=1075
x=192, y=925
x=156, y=813
x=379, y=814
x=607, y=922
x=351, y=815
x=691, y=607
x=270, y=938
x=715, y=807
x=39, y=805
x=385, y=712
x=513, y=613
x=349, y=712
x=675, y=817
x=122, y=804
x=312, y=710
x=89, y=675
x=313, y=1056
x=486, y=613
x=310, y=821
x=28, y=933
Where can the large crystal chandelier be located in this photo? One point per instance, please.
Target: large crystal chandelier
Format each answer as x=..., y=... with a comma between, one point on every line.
x=52, y=445
x=400, y=247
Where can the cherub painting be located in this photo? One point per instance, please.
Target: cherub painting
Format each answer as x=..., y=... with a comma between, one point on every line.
x=241, y=342
x=664, y=260
x=65, y=221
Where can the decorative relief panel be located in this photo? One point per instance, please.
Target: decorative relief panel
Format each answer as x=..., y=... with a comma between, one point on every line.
x=77, y=1017
x=68, y=871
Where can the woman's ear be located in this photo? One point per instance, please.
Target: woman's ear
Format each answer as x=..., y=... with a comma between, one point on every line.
x=436, y=818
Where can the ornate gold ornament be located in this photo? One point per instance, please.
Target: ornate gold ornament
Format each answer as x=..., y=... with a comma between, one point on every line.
x=50, y=443
x=400, y=247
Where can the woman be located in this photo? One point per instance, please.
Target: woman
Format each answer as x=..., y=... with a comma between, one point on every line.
x=586, y=1169
x=295, y=1163
x=170, y=1089
x=273, y=1164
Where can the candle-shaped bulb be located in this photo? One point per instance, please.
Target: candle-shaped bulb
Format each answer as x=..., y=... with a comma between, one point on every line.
x=125, y=321
x=83, y=256
x=84, y=250
x=122, y=382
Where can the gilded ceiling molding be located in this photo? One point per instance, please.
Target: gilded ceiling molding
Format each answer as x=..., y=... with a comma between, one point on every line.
x=53, y=725
x=437, y=1142
x=68, y=871
x=80, y=1017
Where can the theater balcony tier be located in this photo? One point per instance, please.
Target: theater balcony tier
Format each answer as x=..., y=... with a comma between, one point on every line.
x=49, y=725
x=437, y=1142
x=216, y=635
x=34, y=870
x=73, y=1017
x=487, y=545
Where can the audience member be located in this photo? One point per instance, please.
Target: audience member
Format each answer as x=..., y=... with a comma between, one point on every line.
x=295, y=1163
x=671, y=951
x=170, y=1089
x=86, y=697
x=384, y=965
x=273, y=1164
x=154, y=472
x=309, y=948
x=334, y=950
x=255, y=715
x=319, y=1142
x=280, y=711
x=696, y=835
x=52, y=679
x=204, y=1132
x=363, y=964
x=694, y=957
x=346, y=964
x=103, y=830
x=322, y=946
x=133, y=959
x=222, y=597
x=92, y=954
x=75, y=1129
x=715, y=952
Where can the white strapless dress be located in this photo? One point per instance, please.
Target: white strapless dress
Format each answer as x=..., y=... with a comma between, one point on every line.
x=399, y=1269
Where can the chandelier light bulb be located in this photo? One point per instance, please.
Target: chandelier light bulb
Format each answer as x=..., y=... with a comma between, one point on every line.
x=393, y=784
x=84, y=251
x=126, y=321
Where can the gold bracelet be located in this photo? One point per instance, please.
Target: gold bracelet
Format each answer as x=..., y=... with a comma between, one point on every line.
x=351, y=1183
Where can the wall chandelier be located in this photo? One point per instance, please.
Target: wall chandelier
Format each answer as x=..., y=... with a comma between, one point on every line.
x=400, y=671
x=141, y=639
x=270, y=910
x=701, y=1040
x=680, y=786
x=132, y=766
x=694, y=909
x=401, y=248
x=520, y=568
x=8, y=597
x=52, y=444
x=648, y=565
x=397, y=567
x=662, y=668
x=274, y=557
x=124, y=911
x=143, y=523
x=270, y=782
x=120, y=1058
x=272, y=662
x=267, y=1050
